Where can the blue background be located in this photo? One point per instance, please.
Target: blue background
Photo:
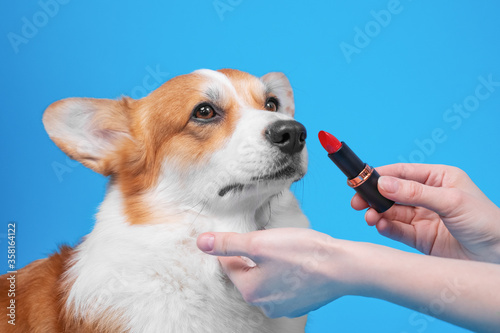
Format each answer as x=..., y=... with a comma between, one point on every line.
x=384, y=100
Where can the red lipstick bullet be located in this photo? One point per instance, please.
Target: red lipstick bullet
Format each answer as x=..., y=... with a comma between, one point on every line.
x=360, y=176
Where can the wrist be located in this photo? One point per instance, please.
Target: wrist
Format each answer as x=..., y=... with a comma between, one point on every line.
x=358, y=268
x=373, y=270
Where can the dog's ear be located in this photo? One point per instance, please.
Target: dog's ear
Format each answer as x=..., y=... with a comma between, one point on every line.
x=89, y=130
x=278, y=84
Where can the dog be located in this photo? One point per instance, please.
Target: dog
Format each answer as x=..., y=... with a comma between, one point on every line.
x=207, y=151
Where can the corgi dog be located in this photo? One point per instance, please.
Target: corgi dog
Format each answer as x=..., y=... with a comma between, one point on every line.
x=207, y=151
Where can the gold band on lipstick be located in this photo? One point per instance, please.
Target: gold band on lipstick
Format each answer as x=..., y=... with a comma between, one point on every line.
x=361, y=178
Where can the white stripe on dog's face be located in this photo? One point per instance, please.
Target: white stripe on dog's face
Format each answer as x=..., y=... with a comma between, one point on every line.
x=216, y=82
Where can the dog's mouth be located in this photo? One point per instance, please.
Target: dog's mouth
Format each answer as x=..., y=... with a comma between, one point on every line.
x=228, y=188
x=283, y=173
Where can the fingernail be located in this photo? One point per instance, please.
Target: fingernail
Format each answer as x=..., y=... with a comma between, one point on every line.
x=388, y=184
x=206, y=243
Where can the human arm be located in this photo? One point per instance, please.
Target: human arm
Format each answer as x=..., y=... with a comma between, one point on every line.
x=464, y=293
x=300, y=270
x=440, y=211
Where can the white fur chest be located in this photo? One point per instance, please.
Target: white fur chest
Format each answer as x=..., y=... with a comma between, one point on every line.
x=155, y=276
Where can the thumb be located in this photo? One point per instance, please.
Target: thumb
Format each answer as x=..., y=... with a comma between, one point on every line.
x=224, y=243
x=438, y=199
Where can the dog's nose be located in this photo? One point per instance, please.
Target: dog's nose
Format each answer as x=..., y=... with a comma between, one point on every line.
x=288, y=135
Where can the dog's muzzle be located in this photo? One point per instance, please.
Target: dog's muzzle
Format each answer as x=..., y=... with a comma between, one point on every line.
x=288, y=135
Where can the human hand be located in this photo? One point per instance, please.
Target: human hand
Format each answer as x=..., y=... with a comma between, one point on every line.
x=440, y=212
x=294, y=270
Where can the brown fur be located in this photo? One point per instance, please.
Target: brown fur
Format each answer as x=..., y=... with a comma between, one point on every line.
x=38, y=303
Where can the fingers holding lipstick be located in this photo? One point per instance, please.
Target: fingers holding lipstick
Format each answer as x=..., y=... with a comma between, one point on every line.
x=396, y=223
x=400, y=213
x=398, y=231
x=358, y=203
x=413, y=226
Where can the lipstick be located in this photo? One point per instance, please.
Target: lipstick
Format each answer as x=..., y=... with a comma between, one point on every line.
x=360, y=176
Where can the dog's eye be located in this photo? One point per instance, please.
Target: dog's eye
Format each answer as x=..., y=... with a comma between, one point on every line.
x=272, y=104
x=204, y=111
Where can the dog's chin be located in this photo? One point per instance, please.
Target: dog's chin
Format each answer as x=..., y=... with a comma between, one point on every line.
x=276, y=179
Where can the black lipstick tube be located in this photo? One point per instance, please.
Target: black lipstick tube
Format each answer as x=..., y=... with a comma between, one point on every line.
x=361, y=177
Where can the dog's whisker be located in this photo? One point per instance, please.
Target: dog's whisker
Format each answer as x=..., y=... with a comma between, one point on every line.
x=199, y=213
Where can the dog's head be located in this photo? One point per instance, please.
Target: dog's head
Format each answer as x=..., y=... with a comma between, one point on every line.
x=212, y=140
